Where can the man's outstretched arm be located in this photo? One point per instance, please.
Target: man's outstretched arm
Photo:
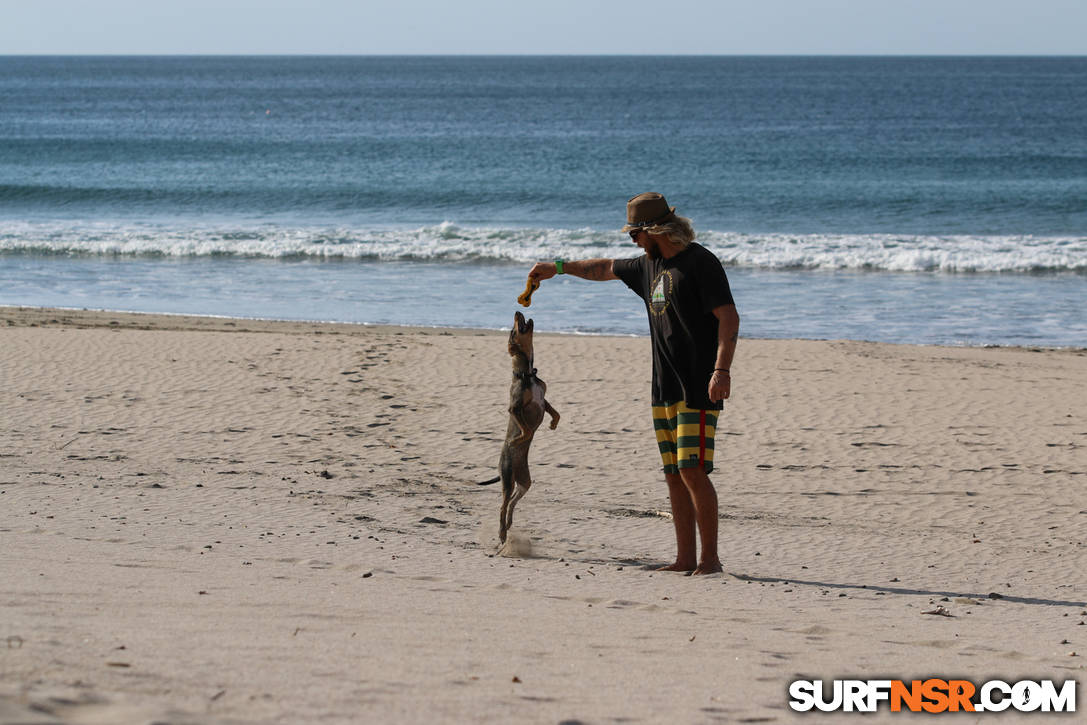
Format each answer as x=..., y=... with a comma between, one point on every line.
x=597, y=270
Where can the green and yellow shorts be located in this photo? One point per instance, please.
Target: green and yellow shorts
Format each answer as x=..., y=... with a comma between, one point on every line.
x=684, y=436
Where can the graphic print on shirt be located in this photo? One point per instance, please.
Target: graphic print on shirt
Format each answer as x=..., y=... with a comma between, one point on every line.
x=662, y=293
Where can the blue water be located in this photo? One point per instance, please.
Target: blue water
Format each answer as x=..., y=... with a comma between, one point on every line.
x=931, y=200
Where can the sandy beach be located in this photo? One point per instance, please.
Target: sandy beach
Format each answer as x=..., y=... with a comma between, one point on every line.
x=229, y=521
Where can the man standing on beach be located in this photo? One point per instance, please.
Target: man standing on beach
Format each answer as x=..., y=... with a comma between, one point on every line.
x=694, y=326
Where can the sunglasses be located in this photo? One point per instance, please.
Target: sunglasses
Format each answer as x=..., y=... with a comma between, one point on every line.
x=634, y=234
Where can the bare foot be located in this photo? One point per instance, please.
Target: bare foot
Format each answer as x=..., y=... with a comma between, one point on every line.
x=678, y=566
x=713, y=567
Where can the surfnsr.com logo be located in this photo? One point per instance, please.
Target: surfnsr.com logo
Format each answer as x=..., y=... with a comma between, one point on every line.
x=932, y=695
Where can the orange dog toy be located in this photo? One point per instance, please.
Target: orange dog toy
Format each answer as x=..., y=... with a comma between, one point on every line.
x=526, y=297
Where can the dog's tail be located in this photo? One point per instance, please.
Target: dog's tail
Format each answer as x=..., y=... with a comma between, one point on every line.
x=489, y=481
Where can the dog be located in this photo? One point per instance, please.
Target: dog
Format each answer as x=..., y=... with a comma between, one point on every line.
x=527, y=408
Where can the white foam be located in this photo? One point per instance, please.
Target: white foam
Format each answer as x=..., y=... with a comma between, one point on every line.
x=450, y=242
x=903, y=253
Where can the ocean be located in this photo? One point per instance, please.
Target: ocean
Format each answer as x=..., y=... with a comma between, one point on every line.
x=931, y=200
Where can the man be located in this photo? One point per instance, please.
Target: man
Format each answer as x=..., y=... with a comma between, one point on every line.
x=694, y=326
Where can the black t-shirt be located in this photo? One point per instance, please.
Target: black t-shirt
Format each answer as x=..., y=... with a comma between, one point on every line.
x=680, y=295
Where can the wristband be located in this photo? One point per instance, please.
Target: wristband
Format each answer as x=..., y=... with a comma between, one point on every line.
x=559, y=266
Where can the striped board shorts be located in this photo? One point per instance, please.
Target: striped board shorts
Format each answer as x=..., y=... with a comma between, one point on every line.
x=684, y=436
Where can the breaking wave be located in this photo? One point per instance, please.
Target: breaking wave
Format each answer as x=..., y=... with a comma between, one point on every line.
x=453, y=243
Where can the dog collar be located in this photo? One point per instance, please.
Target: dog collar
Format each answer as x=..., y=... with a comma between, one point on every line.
x=526, y=376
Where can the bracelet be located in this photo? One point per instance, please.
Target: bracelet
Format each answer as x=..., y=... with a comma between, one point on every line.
x=722, y=370
x=559, y=266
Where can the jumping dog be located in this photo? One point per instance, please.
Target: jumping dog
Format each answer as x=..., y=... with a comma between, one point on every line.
x=527, y=408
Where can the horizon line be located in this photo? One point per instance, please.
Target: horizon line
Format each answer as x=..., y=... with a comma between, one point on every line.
x=537, y=55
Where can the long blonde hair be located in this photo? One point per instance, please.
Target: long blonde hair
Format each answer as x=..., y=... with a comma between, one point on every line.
x=679, y=230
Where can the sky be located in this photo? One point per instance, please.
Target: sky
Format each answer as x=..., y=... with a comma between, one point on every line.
x=560, y=27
